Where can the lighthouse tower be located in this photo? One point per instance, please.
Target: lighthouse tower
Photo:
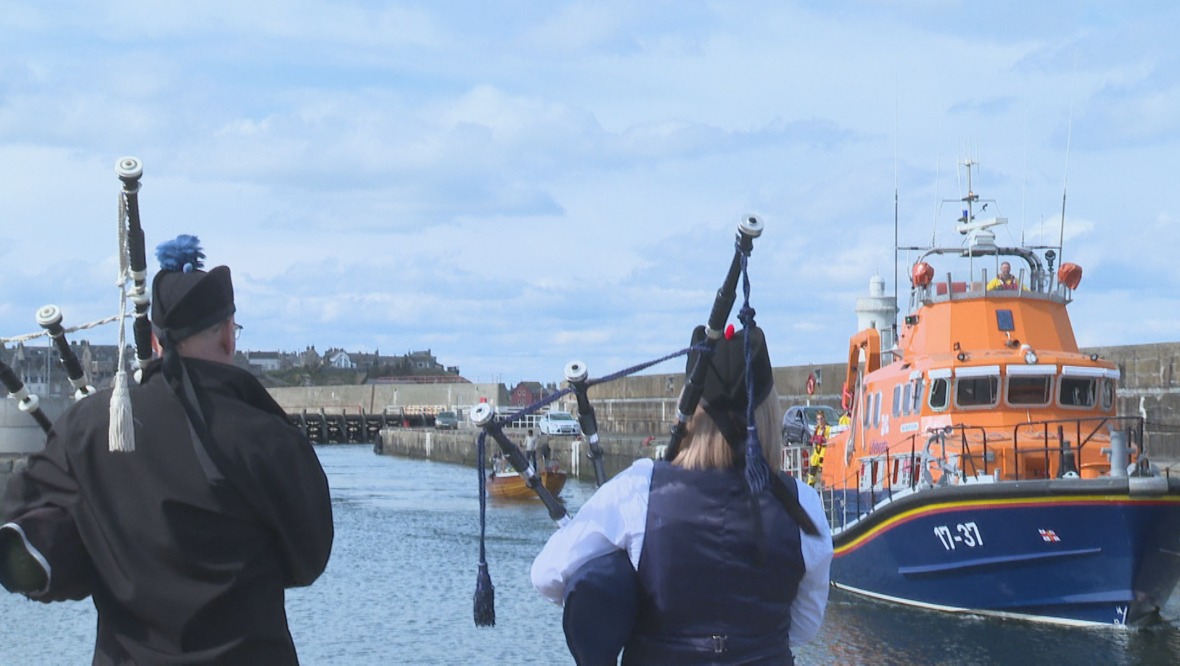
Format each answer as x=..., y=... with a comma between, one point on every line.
x=880, y=312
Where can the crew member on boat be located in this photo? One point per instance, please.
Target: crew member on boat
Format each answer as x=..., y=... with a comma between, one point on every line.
x=187, y=538
x=1004, y=280
x=819, y=446
x=685, y=561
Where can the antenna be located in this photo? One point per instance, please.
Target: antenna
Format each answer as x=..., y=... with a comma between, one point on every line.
x=937, y=184
x=1068, y=141
x=1024, y=174
x=896, y=113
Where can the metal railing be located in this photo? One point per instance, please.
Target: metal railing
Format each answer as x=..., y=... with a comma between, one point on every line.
x=966, y=453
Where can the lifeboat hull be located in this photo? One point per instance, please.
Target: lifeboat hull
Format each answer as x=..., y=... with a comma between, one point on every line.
x=1066, y=551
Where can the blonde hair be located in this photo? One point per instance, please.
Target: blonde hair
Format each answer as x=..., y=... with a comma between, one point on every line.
x=704, y=447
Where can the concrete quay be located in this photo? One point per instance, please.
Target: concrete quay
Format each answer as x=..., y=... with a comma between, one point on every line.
x=459, y=447
x=619, y=451
x=633, y=408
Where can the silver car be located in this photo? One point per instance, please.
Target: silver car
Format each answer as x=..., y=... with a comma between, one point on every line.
x=558, y=423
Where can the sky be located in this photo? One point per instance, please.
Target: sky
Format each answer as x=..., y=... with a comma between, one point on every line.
x=516, y=185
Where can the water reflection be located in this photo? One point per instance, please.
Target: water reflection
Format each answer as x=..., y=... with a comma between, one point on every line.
x=399, y=590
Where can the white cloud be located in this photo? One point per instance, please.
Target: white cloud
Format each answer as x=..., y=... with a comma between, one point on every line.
x=515, y=186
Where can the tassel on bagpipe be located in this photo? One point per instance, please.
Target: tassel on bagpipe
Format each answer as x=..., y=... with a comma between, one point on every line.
x=28, y=402
x=576, y=375
x=483, y=417
x=49, y=318
x=129, y=170
x=748, y=229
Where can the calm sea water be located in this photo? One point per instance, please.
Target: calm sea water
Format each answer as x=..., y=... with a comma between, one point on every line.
x=399, y=589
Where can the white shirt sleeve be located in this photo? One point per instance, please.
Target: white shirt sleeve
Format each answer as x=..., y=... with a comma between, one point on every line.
x=614, y=517
x=807, y=611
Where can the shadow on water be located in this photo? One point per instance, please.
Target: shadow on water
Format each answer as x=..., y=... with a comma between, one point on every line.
x=859, y=630
x=399, y=590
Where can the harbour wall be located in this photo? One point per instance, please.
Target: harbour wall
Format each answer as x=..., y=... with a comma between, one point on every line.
x=635, y=408
x=459, y=447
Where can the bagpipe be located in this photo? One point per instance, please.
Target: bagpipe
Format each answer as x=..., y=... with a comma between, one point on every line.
x=129, y=170
x=579, y=383
x=28, y=403
x=133, y=269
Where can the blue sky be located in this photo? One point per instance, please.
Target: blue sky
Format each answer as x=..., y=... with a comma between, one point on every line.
x=515, y=185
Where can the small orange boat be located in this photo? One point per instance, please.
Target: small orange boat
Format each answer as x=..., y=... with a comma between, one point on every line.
x=511, y=485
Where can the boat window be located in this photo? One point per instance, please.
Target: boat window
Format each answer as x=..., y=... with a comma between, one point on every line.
x=1004, y=320
x=876, y=409
x=1030, y=390
x=1078, y=391
x=1108, y=392
x=897, y=400
x=905, y=401
x=918, y=386
x=938, y=393
x=976, y=391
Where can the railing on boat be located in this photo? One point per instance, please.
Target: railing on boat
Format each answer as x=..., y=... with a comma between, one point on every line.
x=964, y=456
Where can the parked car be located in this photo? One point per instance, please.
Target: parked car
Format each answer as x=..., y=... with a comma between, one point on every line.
x=446, y=421
x=558, y=423
x=799, y=422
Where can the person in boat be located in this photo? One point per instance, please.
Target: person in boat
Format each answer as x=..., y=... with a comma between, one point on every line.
x=819, y=446
x=1004, y=280
x=187, y=533
x=680, y=561
x=530, y=449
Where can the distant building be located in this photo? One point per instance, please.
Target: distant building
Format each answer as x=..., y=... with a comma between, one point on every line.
x=526, y=393
x=423, y=360
x=339, y=359
x=264, y=361
x=310, y=358
x=40, y=368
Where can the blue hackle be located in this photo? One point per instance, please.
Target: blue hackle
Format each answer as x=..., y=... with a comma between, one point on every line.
x=181, y=254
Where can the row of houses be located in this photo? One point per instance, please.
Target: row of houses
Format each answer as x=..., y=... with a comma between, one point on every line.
x=416, y=362
x=39, y=367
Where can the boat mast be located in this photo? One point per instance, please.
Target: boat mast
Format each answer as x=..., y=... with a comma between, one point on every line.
x=969, y=211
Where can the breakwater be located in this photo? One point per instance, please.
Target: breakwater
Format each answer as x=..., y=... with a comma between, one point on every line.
x=633, y=408
x=459, y=447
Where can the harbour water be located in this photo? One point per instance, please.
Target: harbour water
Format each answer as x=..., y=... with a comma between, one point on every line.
x=400, y=584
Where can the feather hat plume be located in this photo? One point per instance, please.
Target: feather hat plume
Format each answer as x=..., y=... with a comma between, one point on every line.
x=185, y=298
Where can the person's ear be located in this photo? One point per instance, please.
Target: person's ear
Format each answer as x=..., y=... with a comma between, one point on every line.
x=227, y=337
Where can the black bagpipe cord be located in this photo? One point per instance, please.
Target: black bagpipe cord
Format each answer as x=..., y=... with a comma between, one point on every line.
x=757, y=470
x=485, y=593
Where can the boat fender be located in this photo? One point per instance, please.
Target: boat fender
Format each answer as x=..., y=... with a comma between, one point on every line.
x=1147, y=486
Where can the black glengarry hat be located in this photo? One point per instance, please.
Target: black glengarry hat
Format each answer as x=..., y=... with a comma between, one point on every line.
x=724, y=387
x=186, y=299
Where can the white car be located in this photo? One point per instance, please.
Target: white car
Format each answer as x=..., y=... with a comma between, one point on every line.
x=558, y=423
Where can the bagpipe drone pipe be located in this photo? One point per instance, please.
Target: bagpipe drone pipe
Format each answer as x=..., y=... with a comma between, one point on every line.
x=129, y=170
x=132, y=268
x=579, y=382
x=28, y=403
